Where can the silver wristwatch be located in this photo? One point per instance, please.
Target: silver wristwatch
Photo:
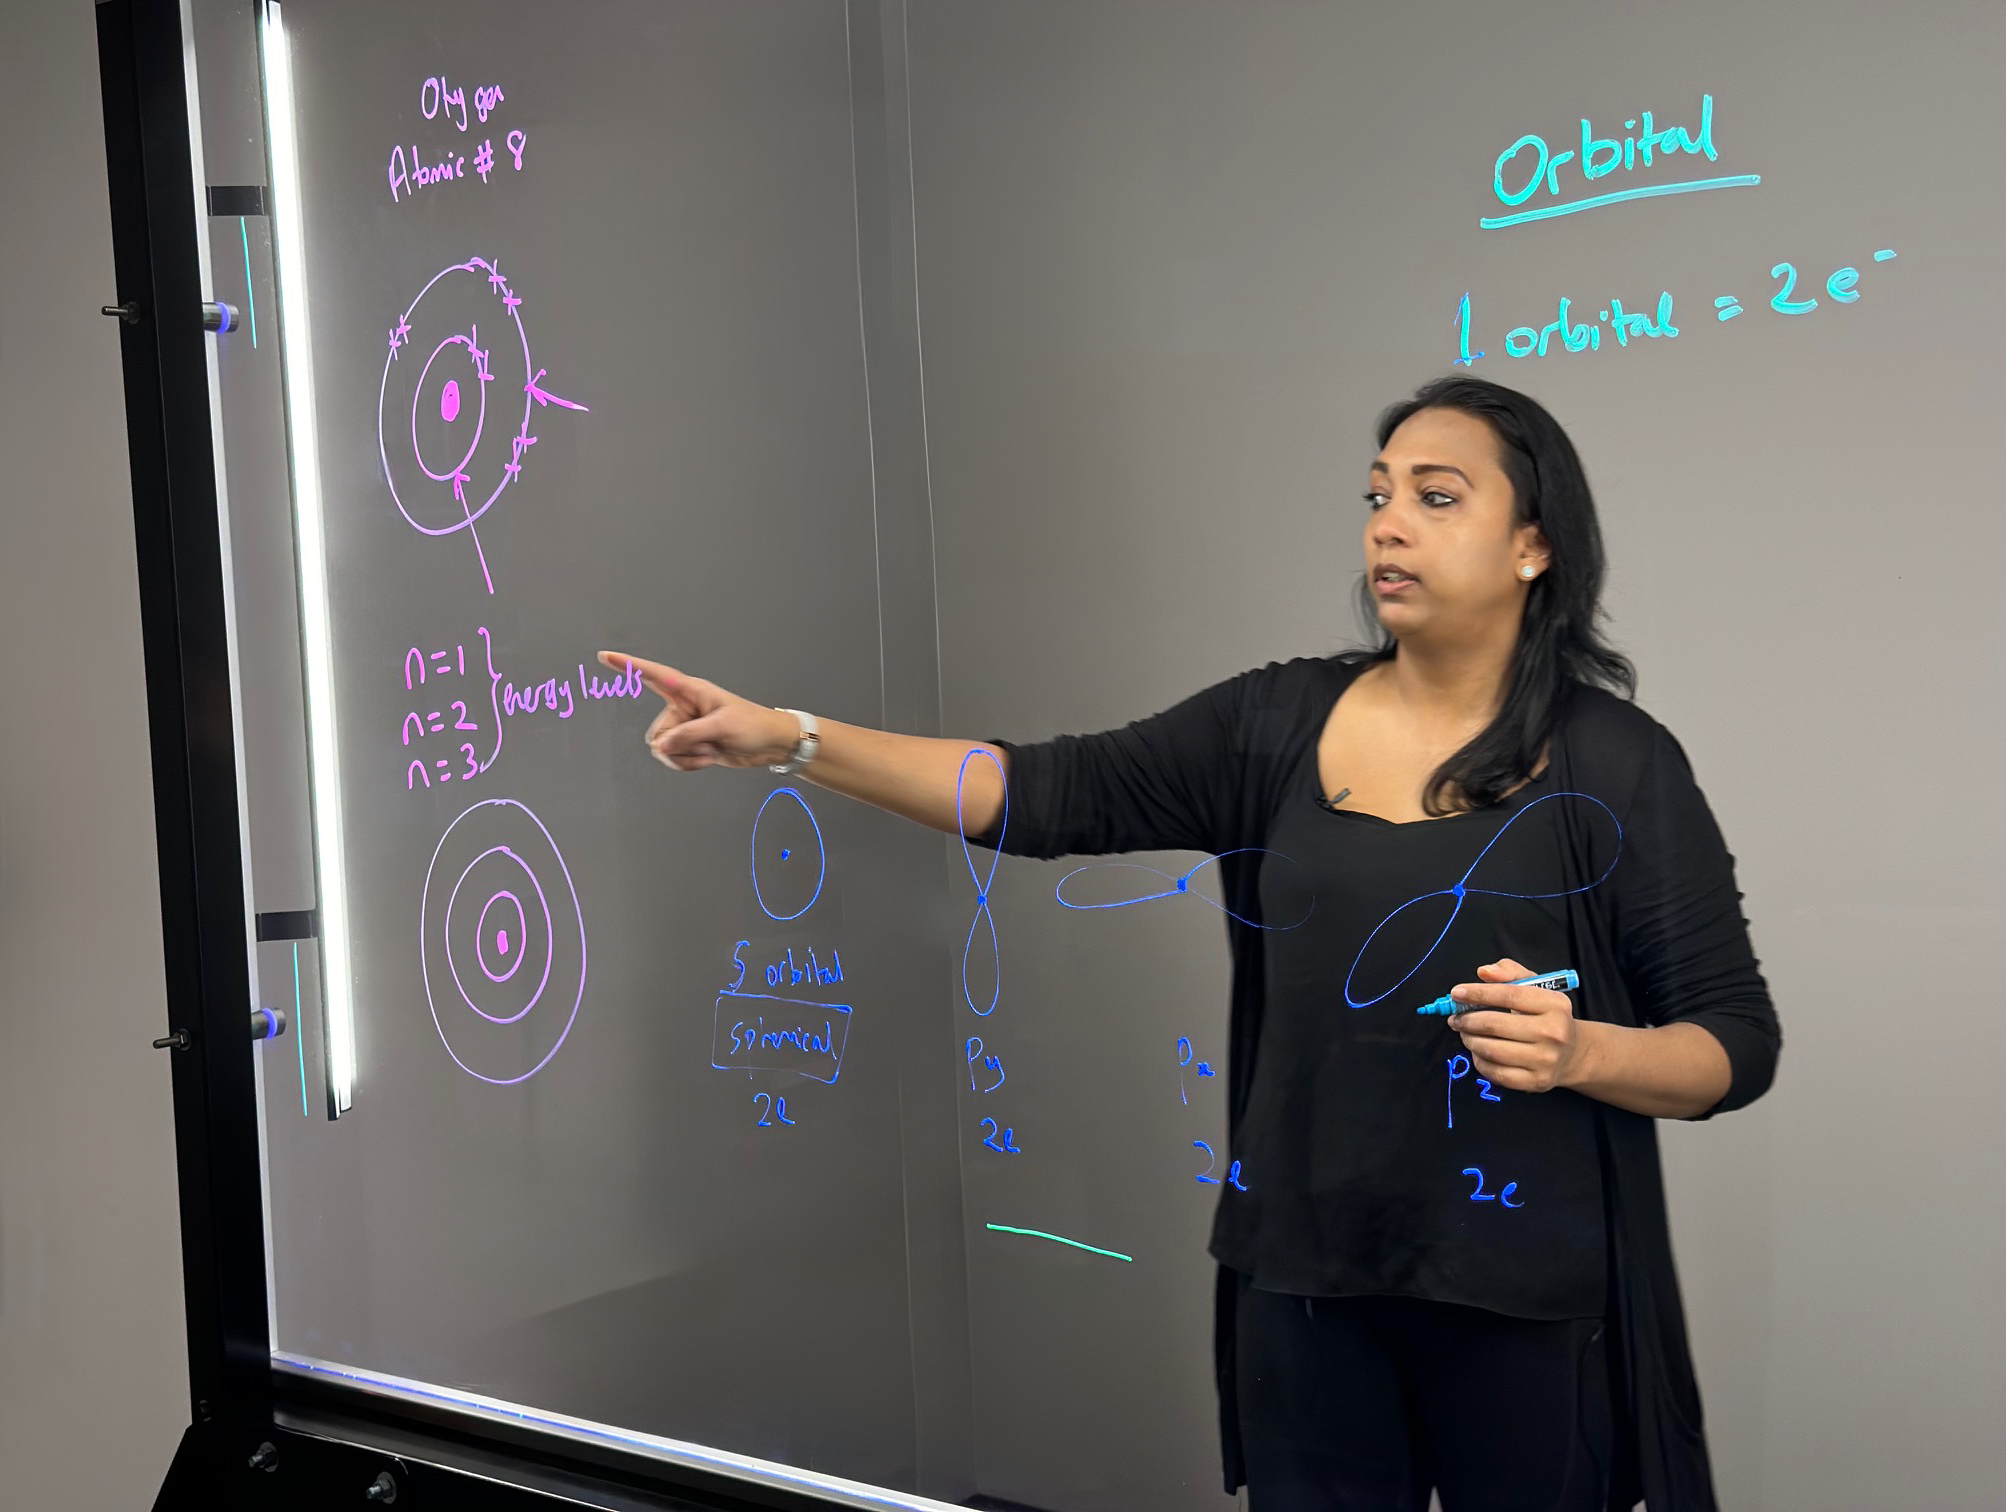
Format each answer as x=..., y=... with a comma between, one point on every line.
x=804, y=750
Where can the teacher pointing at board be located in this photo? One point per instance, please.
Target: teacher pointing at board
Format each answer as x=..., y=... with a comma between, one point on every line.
x=1448, y=1263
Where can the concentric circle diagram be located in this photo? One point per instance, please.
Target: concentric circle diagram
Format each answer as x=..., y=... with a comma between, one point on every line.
x=458, y=394
x=502, y=943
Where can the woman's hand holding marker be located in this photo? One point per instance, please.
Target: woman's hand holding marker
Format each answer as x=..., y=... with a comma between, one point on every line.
x=1522, y=1038
x=701, y=725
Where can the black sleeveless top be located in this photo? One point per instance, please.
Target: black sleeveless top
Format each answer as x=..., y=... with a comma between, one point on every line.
x=1374, y=1159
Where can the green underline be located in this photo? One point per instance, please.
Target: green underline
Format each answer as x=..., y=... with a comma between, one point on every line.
x=1493, y=222
x=1004, y=1228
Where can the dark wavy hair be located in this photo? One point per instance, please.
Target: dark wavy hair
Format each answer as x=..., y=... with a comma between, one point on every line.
x=1558, y=643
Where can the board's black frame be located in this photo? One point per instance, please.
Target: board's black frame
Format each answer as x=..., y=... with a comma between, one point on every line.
x=259, y=1437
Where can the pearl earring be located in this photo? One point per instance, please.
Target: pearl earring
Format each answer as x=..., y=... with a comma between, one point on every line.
x=1525, y=571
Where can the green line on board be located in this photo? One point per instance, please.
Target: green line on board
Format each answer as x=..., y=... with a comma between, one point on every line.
x=1004, y=1228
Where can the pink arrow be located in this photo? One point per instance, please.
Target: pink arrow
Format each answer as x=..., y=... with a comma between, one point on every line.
x=459, y=492
x=541, y=396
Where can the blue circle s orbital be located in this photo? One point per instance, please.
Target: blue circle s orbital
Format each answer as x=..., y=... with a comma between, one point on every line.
x=982, y=883
x=821, y=855
x=1180, y=885
x=1462, y=889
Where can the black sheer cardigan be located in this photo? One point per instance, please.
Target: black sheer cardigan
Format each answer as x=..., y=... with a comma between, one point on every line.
x=1664, y=938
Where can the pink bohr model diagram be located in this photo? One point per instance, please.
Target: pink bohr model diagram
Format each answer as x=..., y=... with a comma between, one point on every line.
x=447, y=426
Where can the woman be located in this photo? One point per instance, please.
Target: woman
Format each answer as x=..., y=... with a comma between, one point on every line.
x=1447, y=1264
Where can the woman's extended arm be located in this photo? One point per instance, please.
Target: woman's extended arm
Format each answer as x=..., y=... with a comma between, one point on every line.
x=913, y=776
x=1661, y=1071
x=1171, y=781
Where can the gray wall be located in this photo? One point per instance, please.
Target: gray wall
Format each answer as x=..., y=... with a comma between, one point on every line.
x=93, y=1385
x=1174, y=258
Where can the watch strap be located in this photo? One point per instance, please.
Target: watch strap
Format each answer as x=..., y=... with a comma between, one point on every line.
x=804, y=748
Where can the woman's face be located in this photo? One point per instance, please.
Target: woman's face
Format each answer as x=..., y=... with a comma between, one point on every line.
x=1440, y=508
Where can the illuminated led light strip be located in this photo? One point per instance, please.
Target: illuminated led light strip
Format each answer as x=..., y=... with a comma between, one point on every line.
x=296, y=362
x=834, y=1488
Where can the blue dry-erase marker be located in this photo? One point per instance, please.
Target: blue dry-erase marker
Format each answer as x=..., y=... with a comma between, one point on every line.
x=1560, y=981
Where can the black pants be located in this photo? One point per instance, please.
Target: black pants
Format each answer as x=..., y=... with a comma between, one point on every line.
x=1365, y=1404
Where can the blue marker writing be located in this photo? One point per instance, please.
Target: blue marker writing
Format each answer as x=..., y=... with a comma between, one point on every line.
x=1559, y=981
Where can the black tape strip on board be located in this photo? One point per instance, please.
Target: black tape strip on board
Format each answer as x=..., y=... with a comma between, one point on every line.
x=236, y=199
x=298, y=924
